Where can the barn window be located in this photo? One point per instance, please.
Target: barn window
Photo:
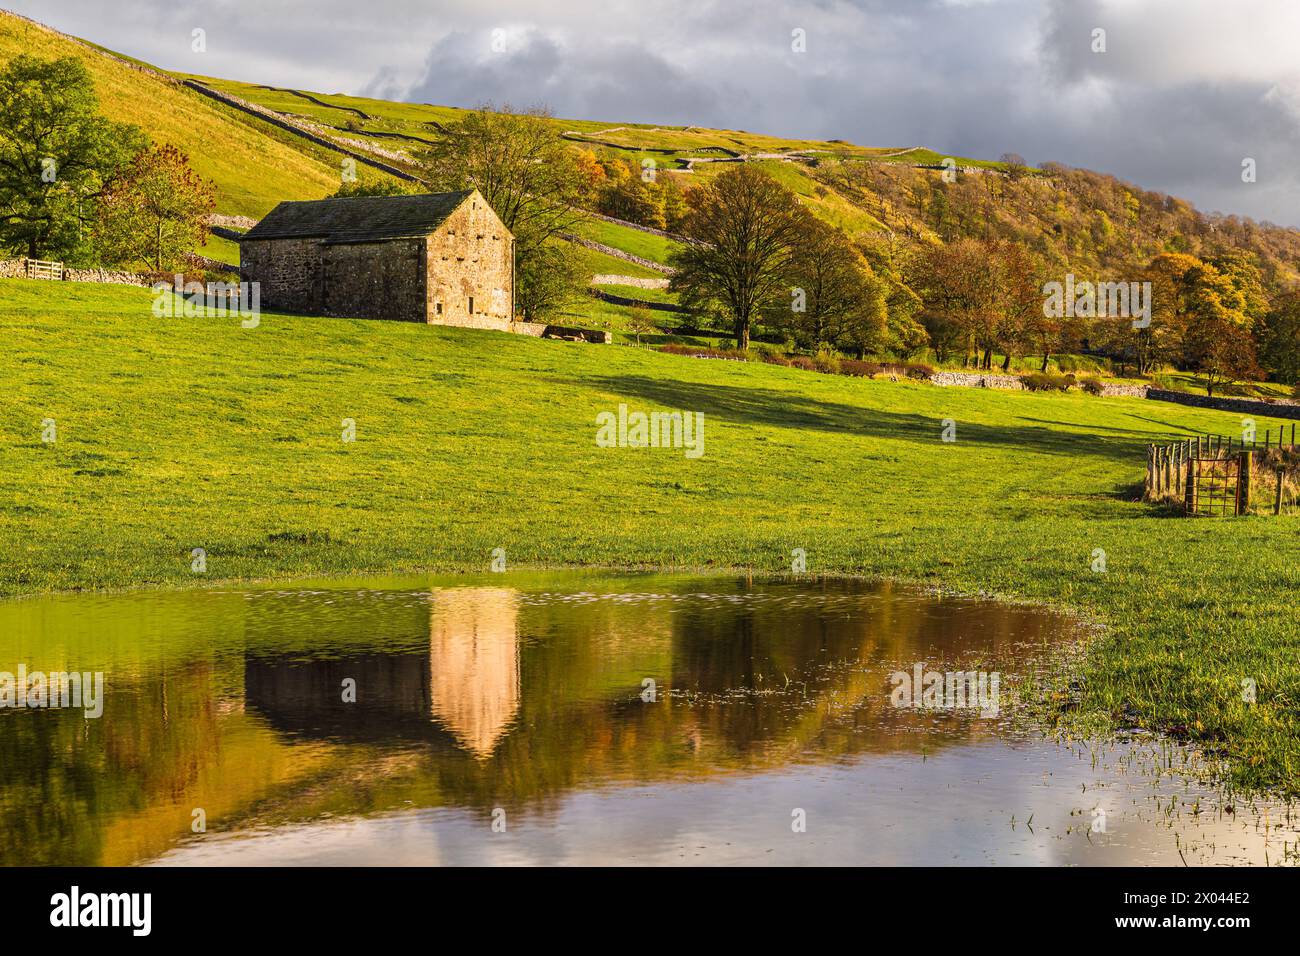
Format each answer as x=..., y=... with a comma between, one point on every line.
x=437, y=308
x=471, y=305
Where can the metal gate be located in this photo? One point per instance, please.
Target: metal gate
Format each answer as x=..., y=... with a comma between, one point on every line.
x=1214, y=487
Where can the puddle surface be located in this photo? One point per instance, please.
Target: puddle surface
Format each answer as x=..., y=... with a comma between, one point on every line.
x=572, y=718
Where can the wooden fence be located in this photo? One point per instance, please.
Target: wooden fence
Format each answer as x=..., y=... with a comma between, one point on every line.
x=40, y=269
x=1212, y=475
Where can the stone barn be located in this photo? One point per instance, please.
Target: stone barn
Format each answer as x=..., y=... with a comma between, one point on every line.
x=441, y=258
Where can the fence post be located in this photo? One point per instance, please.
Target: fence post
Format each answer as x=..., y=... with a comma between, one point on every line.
x=1243, y=484
x=1277, y=502
x=1189, y=487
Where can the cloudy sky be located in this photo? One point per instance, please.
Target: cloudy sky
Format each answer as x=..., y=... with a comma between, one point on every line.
x=1183, y=93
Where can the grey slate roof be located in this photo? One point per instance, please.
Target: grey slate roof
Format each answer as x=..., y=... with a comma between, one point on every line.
x=358, y=218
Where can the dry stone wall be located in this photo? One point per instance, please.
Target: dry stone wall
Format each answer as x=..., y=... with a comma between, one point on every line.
x=1115, y=390
x=977, y=380
x=1244, y=406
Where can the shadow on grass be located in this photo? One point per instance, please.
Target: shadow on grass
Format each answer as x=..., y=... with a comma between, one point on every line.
x=763, y=406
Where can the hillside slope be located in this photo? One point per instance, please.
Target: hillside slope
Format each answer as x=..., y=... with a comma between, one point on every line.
x=252, y=169
x=1075, y=219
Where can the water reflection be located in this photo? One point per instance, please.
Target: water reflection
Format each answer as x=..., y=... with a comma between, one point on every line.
x=648, y=719
x=474, y=665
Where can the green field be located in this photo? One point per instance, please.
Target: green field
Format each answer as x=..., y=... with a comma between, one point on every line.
x=177, y=433
x=647, y=245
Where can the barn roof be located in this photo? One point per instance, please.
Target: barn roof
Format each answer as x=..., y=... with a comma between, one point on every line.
x=359, y=218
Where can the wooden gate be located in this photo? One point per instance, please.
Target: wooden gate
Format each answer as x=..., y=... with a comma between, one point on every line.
x=40, y=269
x=1218, y=486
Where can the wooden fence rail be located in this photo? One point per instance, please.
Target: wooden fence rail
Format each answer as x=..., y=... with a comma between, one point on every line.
x=1211, y=474
x=41, y=269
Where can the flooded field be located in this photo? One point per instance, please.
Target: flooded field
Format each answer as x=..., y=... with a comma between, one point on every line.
x=573, y=718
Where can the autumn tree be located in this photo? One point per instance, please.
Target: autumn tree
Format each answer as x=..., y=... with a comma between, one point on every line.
x=552, y=281
x=532, y=179
x=958, y=292
x=155, y=211
x=1018, y=301
x=890, y=259
x=632, y=194
x=1279, y=336
x=56, y=154
x=835, y=299
x=640, y=322
x=1222, y=352
x=1172, y=299
x=1015, y=164
x=746, y=227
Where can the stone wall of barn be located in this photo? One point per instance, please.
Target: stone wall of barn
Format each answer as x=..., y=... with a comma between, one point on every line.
x=471, y=270
x=375, y=280
x=288, y=270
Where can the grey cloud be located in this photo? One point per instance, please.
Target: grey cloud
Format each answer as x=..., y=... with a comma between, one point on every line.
x=613, y=80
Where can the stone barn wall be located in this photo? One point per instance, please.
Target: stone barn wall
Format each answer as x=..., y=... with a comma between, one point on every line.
x=471, y=259
x=375, y=280
x=288, y=269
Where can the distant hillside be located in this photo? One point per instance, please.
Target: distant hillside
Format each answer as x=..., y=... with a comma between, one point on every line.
x=1076, y=219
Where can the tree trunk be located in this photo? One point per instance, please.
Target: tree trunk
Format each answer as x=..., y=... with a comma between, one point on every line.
x=1006, y=363
x=1046, y=356
x=742, y=334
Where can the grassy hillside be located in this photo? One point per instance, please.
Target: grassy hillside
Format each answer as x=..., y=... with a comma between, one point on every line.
x=252, y=167
x=644, y=244
x=183, y=433
x=669, y=146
